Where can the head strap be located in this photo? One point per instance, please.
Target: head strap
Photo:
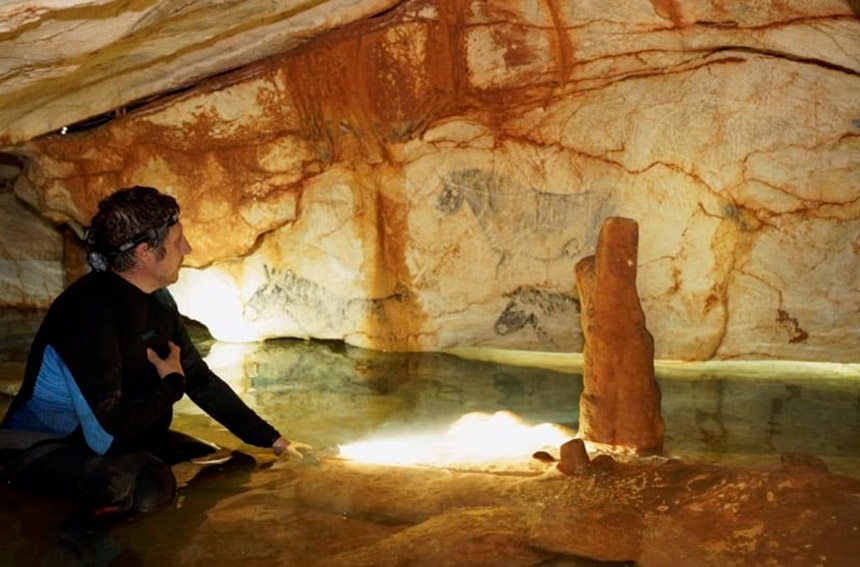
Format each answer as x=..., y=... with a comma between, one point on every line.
x=148, y=235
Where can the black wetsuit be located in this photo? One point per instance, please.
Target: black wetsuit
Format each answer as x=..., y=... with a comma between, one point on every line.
x=99, y=328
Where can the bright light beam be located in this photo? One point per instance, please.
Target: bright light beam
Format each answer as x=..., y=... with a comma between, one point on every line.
x=474, y=438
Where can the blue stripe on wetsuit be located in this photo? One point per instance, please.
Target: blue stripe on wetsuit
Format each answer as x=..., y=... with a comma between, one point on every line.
x=58, y=406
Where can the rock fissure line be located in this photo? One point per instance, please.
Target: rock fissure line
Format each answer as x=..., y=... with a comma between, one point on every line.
x=808, y=205
x=644, y=28
x=254, y=247
x=788, y=56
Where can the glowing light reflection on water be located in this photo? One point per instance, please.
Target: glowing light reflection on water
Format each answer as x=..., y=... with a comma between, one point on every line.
x=474, y=438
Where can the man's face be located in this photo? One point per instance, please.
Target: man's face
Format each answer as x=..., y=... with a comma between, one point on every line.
x=176, y=246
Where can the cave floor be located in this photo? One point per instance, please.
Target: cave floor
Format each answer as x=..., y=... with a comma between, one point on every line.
x=256, y=510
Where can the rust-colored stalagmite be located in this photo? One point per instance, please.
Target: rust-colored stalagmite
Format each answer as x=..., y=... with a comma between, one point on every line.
x=620, y=402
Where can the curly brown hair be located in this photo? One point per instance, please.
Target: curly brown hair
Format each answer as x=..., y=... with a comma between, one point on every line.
x=126, y=218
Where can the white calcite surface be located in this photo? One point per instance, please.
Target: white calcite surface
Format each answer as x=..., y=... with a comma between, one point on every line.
x=429, y=178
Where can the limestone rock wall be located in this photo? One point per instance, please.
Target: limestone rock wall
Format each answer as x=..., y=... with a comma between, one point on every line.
x=31, y=256
x=430, y=177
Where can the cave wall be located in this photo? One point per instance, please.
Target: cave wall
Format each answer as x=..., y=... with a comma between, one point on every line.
x=31, y=248
x=429, y=177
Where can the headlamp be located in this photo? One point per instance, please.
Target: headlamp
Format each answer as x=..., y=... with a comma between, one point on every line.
x=150, y=235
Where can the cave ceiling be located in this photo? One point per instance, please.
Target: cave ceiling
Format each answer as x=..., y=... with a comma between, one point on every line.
x=73, y=63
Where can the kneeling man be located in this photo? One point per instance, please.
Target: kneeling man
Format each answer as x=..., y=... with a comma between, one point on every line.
x=91, y=420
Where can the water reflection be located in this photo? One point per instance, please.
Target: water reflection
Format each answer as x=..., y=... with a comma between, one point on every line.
x=330, y=393
x=765, y=417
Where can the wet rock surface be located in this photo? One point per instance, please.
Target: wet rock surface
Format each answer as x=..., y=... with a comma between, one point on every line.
x=650, y=515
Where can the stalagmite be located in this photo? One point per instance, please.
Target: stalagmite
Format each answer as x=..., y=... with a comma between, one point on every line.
x=620, y=402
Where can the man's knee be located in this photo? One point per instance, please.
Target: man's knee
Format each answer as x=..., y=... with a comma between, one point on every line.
x=155, y=487
x=134, y=482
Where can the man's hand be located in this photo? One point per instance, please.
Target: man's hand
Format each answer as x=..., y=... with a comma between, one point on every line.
x=168, y=365
x=291, y=448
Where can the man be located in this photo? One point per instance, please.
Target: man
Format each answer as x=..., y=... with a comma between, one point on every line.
x=111, y=357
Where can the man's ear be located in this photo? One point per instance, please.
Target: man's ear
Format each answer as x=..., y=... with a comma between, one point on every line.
x=143, y=252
